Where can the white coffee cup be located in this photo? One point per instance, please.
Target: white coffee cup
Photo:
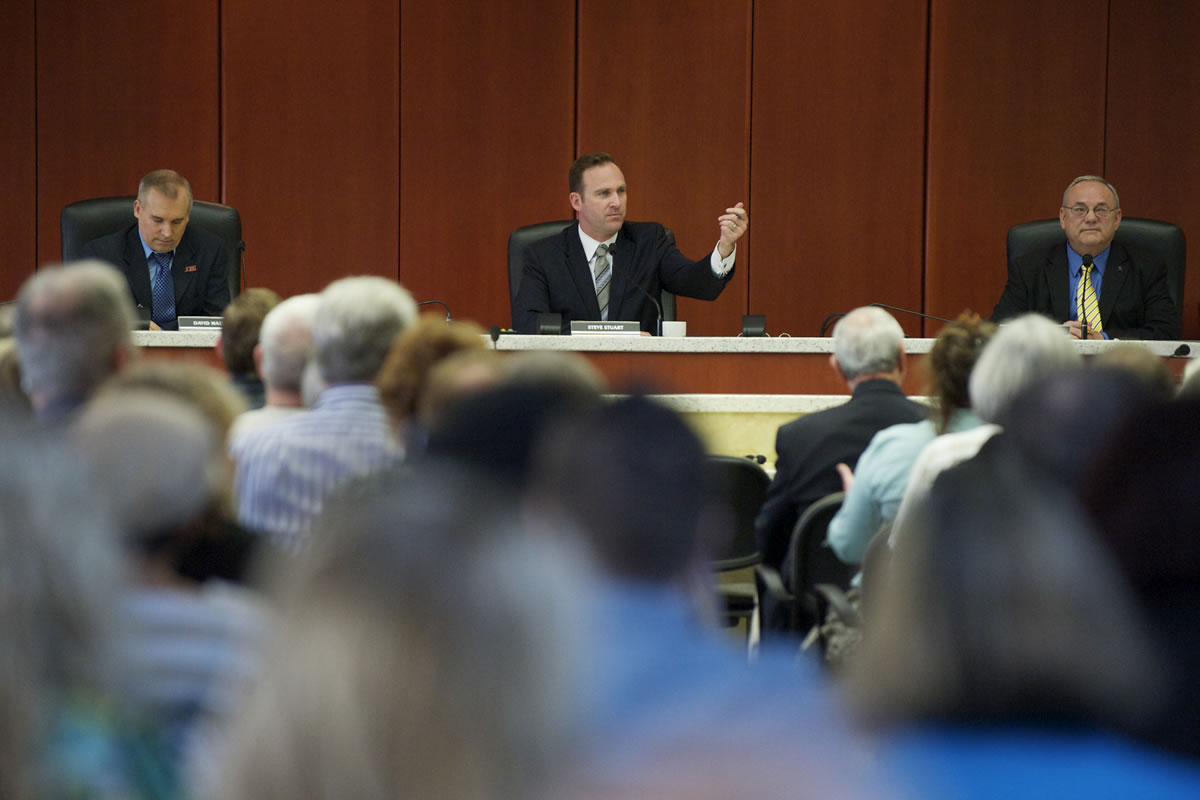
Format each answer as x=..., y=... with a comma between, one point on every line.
x=674, y=327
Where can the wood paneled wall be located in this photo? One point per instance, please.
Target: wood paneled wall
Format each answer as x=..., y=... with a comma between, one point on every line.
x=883, y=147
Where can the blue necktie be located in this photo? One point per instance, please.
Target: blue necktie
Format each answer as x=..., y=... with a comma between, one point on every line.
x=162, y=309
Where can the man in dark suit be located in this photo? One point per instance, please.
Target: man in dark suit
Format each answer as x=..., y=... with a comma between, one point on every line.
x=1123, y=292
x=868, y=354
x=603, y=268
x=171, y=268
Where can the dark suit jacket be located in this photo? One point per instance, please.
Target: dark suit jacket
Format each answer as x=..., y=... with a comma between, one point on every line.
x=1135, y=302
x=199, y=270
x=557, y=278
x=809, y=450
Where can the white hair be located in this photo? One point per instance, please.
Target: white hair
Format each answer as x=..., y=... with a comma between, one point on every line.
x=354, y=325
x=867, y=341
x=1023, y=351
x=286, y=341
x=71, y=321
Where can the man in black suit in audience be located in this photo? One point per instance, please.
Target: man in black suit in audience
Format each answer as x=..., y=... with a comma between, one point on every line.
x=603, y=268
x=172, y=269
x=868, y=353
x=1123, y=292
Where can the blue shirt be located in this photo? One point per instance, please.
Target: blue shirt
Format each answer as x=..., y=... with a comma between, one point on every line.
x=1075, y=267
x=880, y=478
x=148, y=250
x=285, y=470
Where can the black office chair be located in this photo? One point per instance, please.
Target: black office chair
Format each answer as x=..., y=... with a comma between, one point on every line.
x=1152, y=235
x=741, y=486
x=792, y=608
x=522, y=237
x=85, y=220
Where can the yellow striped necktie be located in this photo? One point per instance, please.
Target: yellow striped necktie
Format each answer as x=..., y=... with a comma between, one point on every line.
x=1086, y=305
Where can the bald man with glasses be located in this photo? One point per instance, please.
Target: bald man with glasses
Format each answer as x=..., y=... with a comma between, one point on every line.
x=1093, y=286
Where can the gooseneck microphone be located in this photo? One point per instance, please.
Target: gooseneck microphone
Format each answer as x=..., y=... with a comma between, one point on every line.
x=494, y=332
x=640, y=288
x=440, y=303
x=835, y=316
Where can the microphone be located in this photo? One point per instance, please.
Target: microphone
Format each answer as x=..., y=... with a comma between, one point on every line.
x=909, y=311
x=658, y=331
x=832, y=318
x=440, y=303
x=1183, y=351
x=757, y=458
x=494, y=332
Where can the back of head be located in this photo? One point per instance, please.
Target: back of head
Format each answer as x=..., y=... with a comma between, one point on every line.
x=286, y=340
x=354, y=326
x=199, y=386
x=423, y=650
x=158, y=461
x=1142, y=493
x=1003, y=608
x=414, y=354
x=498, y=429
x=1062, y=422
x=631, y=475
x=1024, y=350
x=74, y=328
x=243, y=319
x=1137, y=361
x=867, y=341
x=951, y=361
x=59, y=580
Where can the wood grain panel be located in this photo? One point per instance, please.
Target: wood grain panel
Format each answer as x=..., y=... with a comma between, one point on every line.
x=120, y=92
x=18, y=145
x=665, y=87
x=487, y=134
x=837, y=159
x=1152, y=153
x=1016, y=110
x=311, y=138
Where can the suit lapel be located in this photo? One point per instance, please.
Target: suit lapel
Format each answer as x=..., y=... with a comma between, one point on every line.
x=1058, y=283
x=581, y=274
x=1116, y=271
x=185, y=256
x=137, y=271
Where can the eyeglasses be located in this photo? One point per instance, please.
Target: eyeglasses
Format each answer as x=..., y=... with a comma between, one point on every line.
x=1101, y=212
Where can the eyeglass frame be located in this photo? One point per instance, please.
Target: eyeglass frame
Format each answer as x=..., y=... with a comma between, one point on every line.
x=1101, y=212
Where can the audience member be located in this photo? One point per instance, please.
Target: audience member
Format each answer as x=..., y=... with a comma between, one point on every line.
x=1136, y=359
x=1023, y=351
x=874, y=489
x=629, y=479
x=73, y=331
x=171, y=268
x=1142, y=495
x=164, y=471
x=281, y=357
x=424, y=649
x=1073, y=283
x=569, y=273
x=868, y=354
x=60, y=581
x=285, y=470
x=239, y=339
x=1006, y=656
x=404, y=376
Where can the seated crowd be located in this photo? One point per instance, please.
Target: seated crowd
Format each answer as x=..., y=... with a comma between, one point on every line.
x=376, y=558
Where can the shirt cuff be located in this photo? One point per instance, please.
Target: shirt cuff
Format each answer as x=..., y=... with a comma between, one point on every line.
x=722, y=266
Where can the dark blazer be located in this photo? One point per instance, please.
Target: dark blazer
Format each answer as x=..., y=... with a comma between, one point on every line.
x=199, y=269
x=1134, y=300
x=809, y=450
x=557, y=279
